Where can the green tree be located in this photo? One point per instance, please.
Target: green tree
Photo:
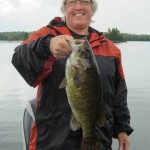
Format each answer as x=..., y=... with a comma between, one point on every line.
x=115, y=35
x=14, y=36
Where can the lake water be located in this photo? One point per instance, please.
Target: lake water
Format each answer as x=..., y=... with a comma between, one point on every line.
x=14, y=93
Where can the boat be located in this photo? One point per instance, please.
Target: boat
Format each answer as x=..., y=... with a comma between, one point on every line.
x=27, y=122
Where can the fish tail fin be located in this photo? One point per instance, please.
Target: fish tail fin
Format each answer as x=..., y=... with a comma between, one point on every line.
x=88, y=144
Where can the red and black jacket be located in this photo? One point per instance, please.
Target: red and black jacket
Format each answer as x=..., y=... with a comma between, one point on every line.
x=35, y=63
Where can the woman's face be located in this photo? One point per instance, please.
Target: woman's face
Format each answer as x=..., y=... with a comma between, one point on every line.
x=78, y=14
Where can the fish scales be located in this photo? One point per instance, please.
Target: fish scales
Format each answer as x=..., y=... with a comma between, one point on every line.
x=84, y=91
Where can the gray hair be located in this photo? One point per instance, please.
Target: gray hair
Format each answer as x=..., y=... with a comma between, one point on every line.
x=94, y=7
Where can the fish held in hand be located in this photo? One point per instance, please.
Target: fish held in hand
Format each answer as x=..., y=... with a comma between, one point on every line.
x=84, y=92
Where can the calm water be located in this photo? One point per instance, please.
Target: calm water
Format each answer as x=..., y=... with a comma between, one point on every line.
x=14, y=93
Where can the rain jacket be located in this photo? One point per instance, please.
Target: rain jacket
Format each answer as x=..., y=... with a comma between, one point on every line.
x=38, y=67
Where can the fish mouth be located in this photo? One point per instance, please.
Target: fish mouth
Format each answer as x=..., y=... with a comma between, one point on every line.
x=76, y=42
x=79, y=41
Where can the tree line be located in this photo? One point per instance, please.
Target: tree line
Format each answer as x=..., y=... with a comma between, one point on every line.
x=116, y=36
x=112, y=34
x=134, y=37
x=14, y=36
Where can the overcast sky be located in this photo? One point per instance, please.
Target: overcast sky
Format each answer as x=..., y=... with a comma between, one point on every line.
x=129, y=16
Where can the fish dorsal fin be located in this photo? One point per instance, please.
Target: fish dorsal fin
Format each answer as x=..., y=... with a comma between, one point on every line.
x=63, y=84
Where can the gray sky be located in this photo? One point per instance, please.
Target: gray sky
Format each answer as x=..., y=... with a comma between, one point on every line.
x=129, y=16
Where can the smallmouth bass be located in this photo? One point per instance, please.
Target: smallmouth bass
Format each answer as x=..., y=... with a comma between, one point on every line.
x=84, y=92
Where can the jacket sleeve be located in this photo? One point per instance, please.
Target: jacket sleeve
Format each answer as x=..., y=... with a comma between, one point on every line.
x=120, y=111
x=33, y=59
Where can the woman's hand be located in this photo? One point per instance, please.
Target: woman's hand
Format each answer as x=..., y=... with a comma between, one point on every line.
x=123, y=141
x=59, y=46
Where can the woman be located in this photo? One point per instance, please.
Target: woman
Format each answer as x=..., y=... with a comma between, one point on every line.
x=41, y=62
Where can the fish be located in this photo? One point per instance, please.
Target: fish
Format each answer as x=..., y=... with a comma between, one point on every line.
x=84, y=92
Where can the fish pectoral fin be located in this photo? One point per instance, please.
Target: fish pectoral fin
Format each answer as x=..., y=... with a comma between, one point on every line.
x=77, y=80
x=74, y=123
x=63, y=83
x=85, y=64
x=101, y=119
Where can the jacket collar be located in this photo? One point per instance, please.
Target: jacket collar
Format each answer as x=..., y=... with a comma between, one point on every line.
x=60, y=27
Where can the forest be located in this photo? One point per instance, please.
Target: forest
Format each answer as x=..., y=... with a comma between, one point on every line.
x=112, y=34
x=14, y=36
x=116, y=36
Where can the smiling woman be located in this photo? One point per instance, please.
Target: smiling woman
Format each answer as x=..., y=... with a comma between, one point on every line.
x=74, y=2
x=78, y=14
x=41, y=61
